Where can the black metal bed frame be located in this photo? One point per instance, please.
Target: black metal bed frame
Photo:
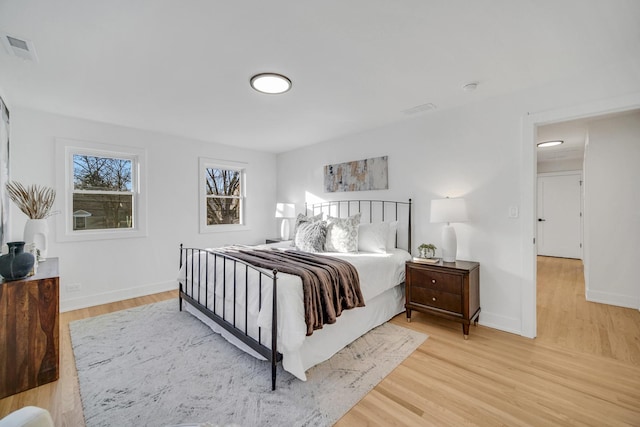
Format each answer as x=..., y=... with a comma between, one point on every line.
x=192, y=293
x=336, y=207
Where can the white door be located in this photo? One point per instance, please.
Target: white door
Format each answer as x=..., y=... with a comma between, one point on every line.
x=560, y=215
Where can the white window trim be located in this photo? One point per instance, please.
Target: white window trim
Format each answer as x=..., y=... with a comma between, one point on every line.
x=65, y=149
x=204, y=163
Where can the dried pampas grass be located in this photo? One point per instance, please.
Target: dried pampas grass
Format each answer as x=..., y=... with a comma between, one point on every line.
x=36, y=202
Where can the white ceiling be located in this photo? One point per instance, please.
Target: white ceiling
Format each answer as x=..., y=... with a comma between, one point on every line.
x=574, y=135
x=183, y=67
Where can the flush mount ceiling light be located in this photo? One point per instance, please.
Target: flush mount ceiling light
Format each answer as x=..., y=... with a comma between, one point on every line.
x=549, y=143
x=270, y=83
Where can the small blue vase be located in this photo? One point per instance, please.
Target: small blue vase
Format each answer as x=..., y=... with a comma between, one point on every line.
x=17, y=264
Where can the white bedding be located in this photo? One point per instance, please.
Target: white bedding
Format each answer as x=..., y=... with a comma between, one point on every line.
x=379, y=276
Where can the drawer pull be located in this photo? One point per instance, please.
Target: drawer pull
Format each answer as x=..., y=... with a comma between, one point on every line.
x=433, y=280
x=434, y=298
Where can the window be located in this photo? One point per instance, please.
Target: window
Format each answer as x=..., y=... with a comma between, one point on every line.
x=101, y=185
x=102, y=196
x=221, y=195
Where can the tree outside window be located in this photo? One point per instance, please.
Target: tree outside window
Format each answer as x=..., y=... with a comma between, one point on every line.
x=102, y=192
x=223, y=196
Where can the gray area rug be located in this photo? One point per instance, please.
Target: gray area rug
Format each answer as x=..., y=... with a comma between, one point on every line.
x=156, y=366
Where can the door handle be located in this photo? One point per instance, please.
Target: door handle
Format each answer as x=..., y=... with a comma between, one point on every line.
x=541, y=219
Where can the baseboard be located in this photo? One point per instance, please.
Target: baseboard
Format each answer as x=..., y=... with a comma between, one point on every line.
x=613, y=299
x=113, y=296
x=503, y=323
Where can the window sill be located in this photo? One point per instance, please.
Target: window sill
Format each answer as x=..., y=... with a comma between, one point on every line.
x=223, y=228
x=93, y=235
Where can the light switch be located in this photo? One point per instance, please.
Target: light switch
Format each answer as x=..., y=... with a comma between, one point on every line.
x=513, y=212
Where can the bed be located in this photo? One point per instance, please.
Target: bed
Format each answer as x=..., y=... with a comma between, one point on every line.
x=261, y=310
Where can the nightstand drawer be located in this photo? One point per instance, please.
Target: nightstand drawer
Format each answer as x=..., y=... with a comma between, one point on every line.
x=432, y=298
x=422, y=278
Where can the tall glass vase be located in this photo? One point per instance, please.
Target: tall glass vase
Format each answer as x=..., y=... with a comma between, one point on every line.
x=37, y=231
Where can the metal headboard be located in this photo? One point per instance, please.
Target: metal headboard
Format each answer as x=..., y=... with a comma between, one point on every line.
x=371, y=211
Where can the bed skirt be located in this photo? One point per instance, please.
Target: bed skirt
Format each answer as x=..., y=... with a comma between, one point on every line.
x=327, y=341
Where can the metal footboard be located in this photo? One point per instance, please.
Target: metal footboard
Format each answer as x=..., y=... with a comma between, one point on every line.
x=197, y=287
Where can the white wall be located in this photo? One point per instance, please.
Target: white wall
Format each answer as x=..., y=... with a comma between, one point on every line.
x=612, y=209
x=475, y=152
x=560, y=165
x=111, y=270
x=431, y=158
x=5, y=215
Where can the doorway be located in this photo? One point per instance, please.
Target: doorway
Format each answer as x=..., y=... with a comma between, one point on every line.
x=532, y=122
x=558, y=219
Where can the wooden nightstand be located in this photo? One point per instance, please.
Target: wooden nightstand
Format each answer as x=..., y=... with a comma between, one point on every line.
x=447, y=289
x=274, y=240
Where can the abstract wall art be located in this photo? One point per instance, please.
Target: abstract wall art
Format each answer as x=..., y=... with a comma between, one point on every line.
x=359, y=175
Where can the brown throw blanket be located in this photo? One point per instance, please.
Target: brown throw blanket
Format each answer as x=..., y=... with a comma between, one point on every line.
x=329, y=284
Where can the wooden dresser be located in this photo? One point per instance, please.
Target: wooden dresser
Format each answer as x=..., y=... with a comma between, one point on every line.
x=29, y=330
x=446, y=289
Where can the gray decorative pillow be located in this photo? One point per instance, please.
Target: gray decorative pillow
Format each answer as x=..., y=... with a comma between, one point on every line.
x=342, y=234
x=311, y=236
x=302, y=219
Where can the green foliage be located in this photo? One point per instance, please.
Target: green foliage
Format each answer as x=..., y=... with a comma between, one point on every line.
x=427, y=250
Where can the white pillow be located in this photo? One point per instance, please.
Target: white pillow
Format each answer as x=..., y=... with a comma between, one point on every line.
x=391, y=236
x=373, y=237
x=342, y=234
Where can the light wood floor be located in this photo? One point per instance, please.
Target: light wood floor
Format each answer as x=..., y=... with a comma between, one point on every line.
x=583, y=369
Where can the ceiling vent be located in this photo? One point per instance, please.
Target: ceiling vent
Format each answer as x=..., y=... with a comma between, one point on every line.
x=21, y=48
x=420, y=108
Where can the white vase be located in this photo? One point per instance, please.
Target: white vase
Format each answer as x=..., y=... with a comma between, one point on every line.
x=37, y=231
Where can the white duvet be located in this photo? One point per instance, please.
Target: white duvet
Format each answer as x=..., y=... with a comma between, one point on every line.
x=378, y=273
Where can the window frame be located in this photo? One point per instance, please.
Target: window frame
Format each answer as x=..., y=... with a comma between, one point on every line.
x=208, y=163
x=65, y=150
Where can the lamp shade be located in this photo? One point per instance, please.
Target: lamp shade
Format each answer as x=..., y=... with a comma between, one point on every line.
x=448, y=210
x=285, y=210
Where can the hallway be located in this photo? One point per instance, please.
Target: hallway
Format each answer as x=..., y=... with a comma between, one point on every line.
x=567, y=320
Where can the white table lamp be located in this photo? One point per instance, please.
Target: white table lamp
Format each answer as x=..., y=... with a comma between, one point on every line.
x=449, y=210
x=285, y=211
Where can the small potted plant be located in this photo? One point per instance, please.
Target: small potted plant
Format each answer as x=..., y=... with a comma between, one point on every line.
x=427, y=250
